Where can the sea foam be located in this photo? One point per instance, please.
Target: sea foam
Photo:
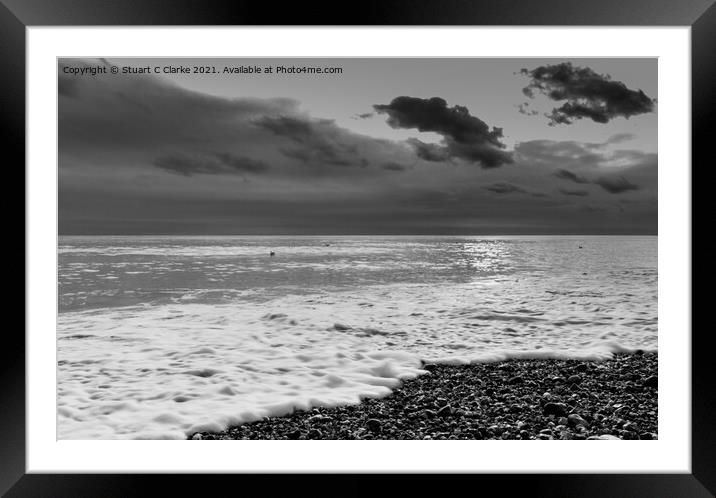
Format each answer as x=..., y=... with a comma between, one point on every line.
x=168, y=371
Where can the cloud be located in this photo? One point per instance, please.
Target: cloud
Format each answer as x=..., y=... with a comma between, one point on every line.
x=318, y=141
x=392, y=166
x=214, y=164
x=429, y=152
x=577, y=193
x=571, y=155
x=587, y=94
x=505, y=188
x=616, y=185
x=464, y=136
x=148, y=114
x=67, y=86
x=568, y=175
x=551, y=153
x=146, y=121
x=364, y=115
x=618, y=138
x=523, y=109
x=616, y=172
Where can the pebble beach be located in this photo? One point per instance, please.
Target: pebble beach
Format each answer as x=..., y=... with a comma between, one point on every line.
x=543, y=399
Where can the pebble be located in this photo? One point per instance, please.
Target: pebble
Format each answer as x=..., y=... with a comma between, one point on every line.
x=576, y=420
x=629, y=426
x=517, y=379
x=445, y=411
x=652, y=381
x=373, y=425
x=319, y=418
x=314, y=434
x=555, y=409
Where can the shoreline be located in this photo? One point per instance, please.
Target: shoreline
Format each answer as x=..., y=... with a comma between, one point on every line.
x=526, y=399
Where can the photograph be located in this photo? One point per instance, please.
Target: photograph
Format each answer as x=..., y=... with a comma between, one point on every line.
x=357, y=248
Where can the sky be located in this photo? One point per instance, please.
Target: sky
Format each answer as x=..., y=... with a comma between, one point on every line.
x=385, y=146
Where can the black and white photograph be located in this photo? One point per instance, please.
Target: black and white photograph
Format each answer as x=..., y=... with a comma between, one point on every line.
x=357, y=248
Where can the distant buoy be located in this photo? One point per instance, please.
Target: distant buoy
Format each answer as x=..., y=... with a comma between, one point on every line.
x=272, y=253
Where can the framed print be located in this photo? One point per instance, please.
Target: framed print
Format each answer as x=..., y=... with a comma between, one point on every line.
x=256, y=240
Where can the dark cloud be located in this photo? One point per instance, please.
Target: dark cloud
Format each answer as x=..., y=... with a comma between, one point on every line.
x=318, y=141
x=505, y=188
x=429, y=152
x=67, y=86
x=146, y=121
x=241, y=163
x=524, y=109
x=143, y=112
x=577, y=193
x=618, y=138
x=364, y=115
x=392, y=166
x=214, y=164
x=615, y=185
x=295, y=128
x=568, y=175
x=465, y=136
x=589, y=163
x=587, y=94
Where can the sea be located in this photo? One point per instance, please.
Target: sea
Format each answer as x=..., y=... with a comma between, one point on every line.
x=161, y=337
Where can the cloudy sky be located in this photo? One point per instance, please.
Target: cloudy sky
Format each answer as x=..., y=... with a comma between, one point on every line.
x=388, y=146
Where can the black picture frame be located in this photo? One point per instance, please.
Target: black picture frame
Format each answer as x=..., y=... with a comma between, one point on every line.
x=16, y=15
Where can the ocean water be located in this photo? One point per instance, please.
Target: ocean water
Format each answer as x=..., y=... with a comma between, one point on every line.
x=159, y=337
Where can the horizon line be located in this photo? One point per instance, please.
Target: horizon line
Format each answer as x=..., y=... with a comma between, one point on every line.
x=358, y=235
